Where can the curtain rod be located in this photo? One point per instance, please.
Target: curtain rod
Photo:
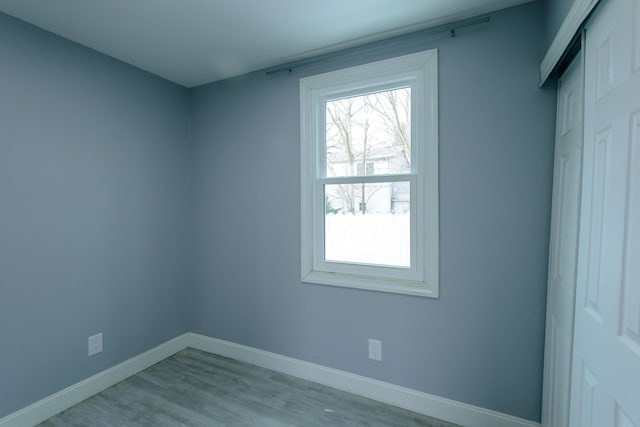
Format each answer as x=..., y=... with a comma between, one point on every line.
x=373, y=46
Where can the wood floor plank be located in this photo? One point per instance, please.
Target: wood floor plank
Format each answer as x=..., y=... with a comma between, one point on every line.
x=198, y=389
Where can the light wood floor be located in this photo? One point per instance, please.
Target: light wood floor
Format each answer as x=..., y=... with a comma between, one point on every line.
x=194, y=388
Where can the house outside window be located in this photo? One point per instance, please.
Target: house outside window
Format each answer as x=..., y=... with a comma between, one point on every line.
x=369, y=174
x=369, y=168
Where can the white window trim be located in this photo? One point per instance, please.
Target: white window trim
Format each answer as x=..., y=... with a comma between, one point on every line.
x=420, y=71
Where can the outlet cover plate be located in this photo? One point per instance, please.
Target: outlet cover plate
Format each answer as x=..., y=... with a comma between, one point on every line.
x=375, y=350
x=95, y=344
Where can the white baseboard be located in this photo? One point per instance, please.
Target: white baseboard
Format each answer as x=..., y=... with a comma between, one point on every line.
x=64, y=399
x=423, y=403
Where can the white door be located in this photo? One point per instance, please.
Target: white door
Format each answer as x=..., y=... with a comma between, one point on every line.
x=606, y=364
x=563, y=250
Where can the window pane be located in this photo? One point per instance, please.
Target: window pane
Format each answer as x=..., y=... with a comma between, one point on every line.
x=368, y=223
x=369, y=133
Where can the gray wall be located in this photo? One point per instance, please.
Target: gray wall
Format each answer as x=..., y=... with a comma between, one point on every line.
x=482, y=341
x=554, y=11
x=105, y=206
x=94, y=198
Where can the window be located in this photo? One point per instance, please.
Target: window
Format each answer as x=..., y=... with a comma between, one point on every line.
x=369, y=173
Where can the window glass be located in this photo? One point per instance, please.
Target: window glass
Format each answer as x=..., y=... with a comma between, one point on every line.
x=368, y=223
x=372, y=130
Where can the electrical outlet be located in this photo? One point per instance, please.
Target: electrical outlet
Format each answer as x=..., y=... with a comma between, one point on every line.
x=375, y=350
x=95, y=344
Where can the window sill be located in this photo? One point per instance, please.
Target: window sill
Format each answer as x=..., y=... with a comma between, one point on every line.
x=370, y=283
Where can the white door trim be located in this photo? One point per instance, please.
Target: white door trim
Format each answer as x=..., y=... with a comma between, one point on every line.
x=578, y=13
x=563, y=247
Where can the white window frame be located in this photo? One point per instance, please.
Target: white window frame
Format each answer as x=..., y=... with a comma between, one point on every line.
x=420, y=72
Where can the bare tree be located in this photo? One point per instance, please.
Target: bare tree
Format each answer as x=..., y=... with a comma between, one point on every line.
x=340, y=141
x=357, y=127
x=394, y=106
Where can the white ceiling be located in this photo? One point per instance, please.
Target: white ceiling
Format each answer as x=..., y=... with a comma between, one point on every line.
x=192, y=42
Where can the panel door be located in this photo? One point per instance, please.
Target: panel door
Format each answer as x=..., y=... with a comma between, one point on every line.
x=606, y=363
x=563, y=250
